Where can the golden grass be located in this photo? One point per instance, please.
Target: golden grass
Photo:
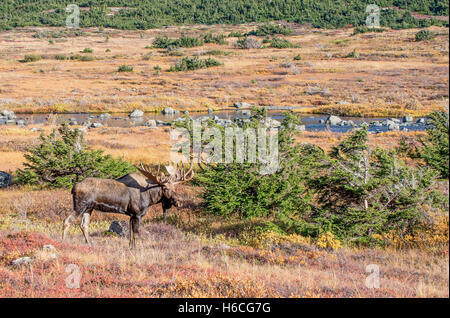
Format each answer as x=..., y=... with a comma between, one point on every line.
x=394, y=74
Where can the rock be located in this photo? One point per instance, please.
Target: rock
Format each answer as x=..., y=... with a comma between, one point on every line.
x=185, y=112
x=20, y=122
x=119, y=227
x=151, y=123
x=86, y=123
x=421, y=121
x=395, y=120
x=137, y=113
x=104, y=116
x=73, y=123
x=21, y=261
x=407, y=119
x=342, y=102
x=5, y=179
x=95, y=125
x=210, y=110
x=300, y=127
x=8, y=114
x=393, y=127
x=242, y=105
x=162, y=123
x=168, y=111
x=351, y=123
x=333, y=120
x=322, y=121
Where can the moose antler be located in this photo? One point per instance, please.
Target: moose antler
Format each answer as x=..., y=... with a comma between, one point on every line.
x=175, y=175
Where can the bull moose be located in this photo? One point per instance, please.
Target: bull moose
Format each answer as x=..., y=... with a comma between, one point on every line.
x=130, y=195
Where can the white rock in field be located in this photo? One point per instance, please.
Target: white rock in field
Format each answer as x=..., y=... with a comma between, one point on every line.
x=21, y=261
x=137, y=113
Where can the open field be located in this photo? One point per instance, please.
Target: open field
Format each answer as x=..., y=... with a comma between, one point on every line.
x=174, y=263
x=195, y=253
x=392, y=75
x=150, y=145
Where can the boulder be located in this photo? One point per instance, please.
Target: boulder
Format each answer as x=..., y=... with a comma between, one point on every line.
x=95, y=125
x=104, y=116
x=242, y=105
x=168, y=111
x=300, y=127
x=407, y=119
x=393, y=127
x=210, y=110
x=421, y=121
x=151, y=123
x=121, y=228
x=5, y=179
x=333, y=120
x=137, y=113
x=21, y=261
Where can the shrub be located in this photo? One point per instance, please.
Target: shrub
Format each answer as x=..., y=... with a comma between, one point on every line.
x=61, y=160
x=87, y=50
x=235, y=35
x=298, y=57
x=369, y=192
x=184, y=41
x=83, y=58
x=271, y=29
x=125, y=68
x=210, y=38
x=193, y=63
x=248, y=43
x=354, y=54
x=424, y=35
x=365, y=29
x=280, y=43
x=434, y=148
x=60, y=57
x=31, y=58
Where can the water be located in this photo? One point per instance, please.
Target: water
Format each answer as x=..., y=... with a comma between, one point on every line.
x=311, y=122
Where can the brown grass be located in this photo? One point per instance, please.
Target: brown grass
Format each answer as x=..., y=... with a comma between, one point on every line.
x=394, y=74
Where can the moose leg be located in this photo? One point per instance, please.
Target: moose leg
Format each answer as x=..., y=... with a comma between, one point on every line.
x=66, y=224
x=134, y=230
x=85, y=226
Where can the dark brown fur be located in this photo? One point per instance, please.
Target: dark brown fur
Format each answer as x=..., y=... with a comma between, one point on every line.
x=130, y=195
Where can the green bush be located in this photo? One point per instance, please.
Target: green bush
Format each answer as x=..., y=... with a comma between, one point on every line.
x=364, y=29
x=280, y=43
x=83, y=58
x=193, y=63
x=163, y=42
x=61, y=160
x=298, y=57
x=31, y=58
x=424, y=35
x=434, y=148
x=361, y=192
x=60, y=57
x=125, y=68
x=271, y=29
x=87, y=50
x=210, y=38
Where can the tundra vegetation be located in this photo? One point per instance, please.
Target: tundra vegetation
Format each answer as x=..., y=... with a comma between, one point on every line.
x=338, y=203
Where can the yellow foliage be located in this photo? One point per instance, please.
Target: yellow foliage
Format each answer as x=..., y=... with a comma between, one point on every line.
x=327, y=240
x=433, y=234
